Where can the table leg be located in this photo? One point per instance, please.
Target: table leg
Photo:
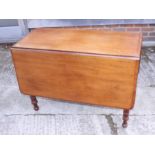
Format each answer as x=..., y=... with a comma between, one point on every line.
x=125, y=118
x=34, y=103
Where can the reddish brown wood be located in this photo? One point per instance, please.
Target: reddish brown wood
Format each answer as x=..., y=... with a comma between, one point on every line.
x=34, y=103
x=83, y=41
x=85, y=66
x=125, y=118
x=93, y=79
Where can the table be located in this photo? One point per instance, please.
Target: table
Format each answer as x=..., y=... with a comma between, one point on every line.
x=84, y=66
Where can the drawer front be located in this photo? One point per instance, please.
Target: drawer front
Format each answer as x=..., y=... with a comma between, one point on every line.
x=83, y=78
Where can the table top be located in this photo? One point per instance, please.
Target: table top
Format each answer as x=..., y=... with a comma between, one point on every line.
x=88, y=41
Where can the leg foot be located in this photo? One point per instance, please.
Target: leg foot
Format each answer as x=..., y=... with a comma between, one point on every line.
x=125, y=118
x=34, y=103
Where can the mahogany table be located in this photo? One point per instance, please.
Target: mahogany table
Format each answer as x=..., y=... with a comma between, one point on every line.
x=85, y=66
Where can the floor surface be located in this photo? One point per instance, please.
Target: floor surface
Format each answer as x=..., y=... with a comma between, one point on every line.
x=55, y=117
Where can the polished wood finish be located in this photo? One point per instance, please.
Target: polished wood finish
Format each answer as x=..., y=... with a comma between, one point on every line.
x=34, y=103
x=125, y=118
x=85, y=66
x=83, y=41
x=108, y=81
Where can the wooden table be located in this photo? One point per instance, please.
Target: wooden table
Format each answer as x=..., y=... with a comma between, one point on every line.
x=85, y=66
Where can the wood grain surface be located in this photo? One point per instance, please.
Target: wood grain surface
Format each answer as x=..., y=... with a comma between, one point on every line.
x=84, y=41
x=83, y=78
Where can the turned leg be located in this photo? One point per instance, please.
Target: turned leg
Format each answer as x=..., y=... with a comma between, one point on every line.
x=125, y=118
x=34, y=103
